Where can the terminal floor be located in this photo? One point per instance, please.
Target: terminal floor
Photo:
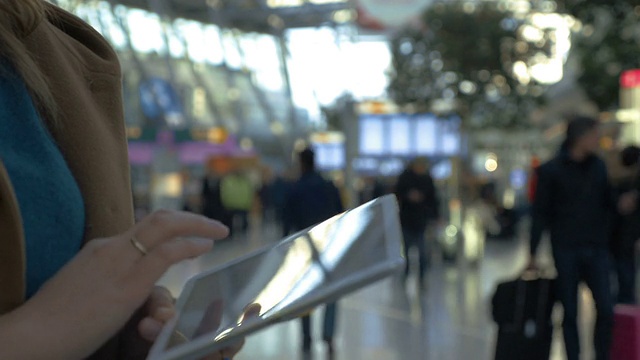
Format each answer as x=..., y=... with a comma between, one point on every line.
x=448, y=319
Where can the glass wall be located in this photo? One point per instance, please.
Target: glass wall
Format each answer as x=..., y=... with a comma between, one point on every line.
x=324, y=63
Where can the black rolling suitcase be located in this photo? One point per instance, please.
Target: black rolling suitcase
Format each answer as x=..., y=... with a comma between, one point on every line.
x=522, y=309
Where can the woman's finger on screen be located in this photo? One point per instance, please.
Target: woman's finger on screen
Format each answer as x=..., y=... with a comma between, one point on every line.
x=164, y=225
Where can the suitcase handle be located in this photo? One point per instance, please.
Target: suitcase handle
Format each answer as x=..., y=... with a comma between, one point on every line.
x=533, y=274
x=521, y=298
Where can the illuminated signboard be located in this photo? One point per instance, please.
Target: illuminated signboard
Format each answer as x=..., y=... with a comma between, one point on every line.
x=409, y=135
x=330, y=150
x=399, y=136
x=372, y=137
x=426, y=134
x=450, y=137
x=630, y=79
x=376, y=166
x=330, y=156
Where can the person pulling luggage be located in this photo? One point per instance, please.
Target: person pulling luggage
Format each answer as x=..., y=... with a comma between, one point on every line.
x=573, y=201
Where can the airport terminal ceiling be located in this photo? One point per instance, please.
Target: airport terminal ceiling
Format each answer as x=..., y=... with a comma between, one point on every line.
x=266, y=16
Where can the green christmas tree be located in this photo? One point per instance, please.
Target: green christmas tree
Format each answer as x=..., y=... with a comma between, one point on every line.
x=607, y=44
x=465, y=54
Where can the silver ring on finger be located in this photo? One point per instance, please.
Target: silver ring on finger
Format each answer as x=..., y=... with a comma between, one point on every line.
x=138, y=245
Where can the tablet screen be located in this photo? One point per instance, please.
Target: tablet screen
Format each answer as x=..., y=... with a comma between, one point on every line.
x=289, y=278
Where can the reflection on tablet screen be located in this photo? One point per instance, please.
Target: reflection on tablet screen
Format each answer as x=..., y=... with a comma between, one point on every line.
x=290, y=275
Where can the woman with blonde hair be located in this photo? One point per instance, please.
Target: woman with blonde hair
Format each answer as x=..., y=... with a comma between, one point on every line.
x=76, y=275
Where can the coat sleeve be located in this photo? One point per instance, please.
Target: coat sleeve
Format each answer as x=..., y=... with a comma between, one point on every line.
x=541, y=208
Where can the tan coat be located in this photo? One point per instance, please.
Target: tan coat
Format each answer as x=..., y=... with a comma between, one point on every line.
x=84, y=74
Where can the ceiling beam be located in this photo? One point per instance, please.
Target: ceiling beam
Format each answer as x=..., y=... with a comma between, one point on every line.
x=255, y=19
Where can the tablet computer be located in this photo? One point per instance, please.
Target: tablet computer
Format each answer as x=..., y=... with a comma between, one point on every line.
x=284, y=280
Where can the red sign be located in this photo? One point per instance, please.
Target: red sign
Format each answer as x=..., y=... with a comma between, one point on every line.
x=630, y=79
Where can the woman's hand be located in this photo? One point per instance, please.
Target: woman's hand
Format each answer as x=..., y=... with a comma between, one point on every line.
x=95, y=294
x=212, y=320
x=159, y=310
x=628, y=203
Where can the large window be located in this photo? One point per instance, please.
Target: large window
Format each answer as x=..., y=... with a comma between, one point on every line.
x=324, y=63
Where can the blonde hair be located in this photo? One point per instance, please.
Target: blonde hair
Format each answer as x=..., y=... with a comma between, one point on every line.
x=18, y=18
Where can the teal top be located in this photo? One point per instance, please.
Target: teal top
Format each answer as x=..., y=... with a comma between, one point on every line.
x=50, y=201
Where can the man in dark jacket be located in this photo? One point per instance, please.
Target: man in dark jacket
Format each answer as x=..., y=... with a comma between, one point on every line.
x=312, y=200
x=418, y=205
x=573, y=201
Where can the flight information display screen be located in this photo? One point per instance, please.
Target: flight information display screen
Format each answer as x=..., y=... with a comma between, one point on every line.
x=426, y=134
x=372, y=135
x=400, y=136
x=409, y=135
x=330, y=156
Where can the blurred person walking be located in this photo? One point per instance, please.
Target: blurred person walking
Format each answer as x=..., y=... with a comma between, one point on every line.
x=573, y=201
x=76, y=274
x=419, y=204
x=626, y=228
x=265, y=194
x=312, y=200
x=238, y=194
x=212, y=200
x=279, y=190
